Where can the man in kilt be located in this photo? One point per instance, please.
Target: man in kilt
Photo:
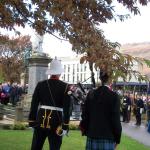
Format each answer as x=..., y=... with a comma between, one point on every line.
x=50, y=109
x=101, y=118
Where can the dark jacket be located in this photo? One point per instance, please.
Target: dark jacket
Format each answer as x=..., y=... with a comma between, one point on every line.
x=101, y=114
x=126, y=102
x=148, y=110
x=41, y=96
x=139, y=104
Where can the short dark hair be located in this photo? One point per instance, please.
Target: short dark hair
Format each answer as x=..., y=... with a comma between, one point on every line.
x=104, y=76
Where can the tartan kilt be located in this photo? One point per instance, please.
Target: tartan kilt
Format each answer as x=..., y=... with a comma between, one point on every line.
x=99, y=144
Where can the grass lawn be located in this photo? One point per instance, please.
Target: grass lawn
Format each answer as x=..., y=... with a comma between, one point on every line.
x=21, y=140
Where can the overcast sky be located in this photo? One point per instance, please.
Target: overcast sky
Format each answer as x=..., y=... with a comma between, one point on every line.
x=136, y=29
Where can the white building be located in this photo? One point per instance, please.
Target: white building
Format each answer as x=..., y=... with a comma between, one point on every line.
x=75, y=72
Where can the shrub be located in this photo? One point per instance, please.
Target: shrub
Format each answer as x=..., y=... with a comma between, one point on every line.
x=73, y=127
x=19, y=126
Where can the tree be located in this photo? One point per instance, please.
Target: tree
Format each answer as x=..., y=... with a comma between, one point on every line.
x=12, y=51
x=76, y=21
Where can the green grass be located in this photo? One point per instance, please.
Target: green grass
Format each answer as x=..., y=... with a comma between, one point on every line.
x=21, y=140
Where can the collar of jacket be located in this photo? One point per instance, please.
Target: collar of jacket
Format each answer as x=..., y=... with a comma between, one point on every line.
x=54, y=77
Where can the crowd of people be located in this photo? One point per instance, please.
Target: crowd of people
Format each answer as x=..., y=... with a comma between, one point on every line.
x=11, y=93
x=135, y=105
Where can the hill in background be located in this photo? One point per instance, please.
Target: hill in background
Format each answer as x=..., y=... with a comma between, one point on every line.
x=138, y=50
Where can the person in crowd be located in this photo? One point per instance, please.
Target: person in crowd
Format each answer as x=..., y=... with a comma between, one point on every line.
x=52, y=118
x=20, y=92
x=144, y=98
x=6, y=88
x=120, y=91
x=148, y=114
x=121, y=97
x=25, y=89
x=126, y=107
x=77, y=103
x=139, y=105
x=101, y=117
x=14, y=94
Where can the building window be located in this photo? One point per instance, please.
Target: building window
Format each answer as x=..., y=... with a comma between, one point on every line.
x=64, y=77
x=81, y=67
x=64, y=68
x=85, y=67
x=73, y=68
x=77, y=77
x=68, y=68
x=81, y=77
x=77, y=67
x=84, y=76
x=68, y=77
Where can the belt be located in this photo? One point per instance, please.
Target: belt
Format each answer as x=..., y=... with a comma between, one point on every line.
x=51, y=108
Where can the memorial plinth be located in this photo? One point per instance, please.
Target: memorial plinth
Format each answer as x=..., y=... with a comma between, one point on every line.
x=38, y=65
x=37, y=70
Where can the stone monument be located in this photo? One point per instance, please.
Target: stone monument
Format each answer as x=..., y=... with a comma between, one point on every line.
x=38, y=64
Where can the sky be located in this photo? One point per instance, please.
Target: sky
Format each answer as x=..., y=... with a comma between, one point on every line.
x=133, y=30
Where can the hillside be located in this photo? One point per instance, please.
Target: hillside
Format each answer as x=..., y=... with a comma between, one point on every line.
x=138, y=50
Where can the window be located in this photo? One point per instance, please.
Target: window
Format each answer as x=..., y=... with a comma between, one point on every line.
x=77, y=77
x=68, y=68
x=81, y=76
x=81, y=67
x=84, y=76
x=68, y=77
x=64, y=77
x=85, y=67
x=73, y=68
x=77, y=67
x=64, y=68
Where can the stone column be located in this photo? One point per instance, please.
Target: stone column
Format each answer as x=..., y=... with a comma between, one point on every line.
x=37, y=69
x=38, y=64
x=19, y=114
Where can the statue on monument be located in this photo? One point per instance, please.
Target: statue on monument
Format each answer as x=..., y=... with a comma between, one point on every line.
x=37, y=50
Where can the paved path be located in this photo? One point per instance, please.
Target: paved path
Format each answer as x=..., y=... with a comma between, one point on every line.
x=138, y=133
x=6, y=121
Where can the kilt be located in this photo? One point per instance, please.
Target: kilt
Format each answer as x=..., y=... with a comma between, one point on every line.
x=99, y=144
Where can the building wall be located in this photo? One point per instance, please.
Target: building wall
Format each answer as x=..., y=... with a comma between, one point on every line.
x=75, y=72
